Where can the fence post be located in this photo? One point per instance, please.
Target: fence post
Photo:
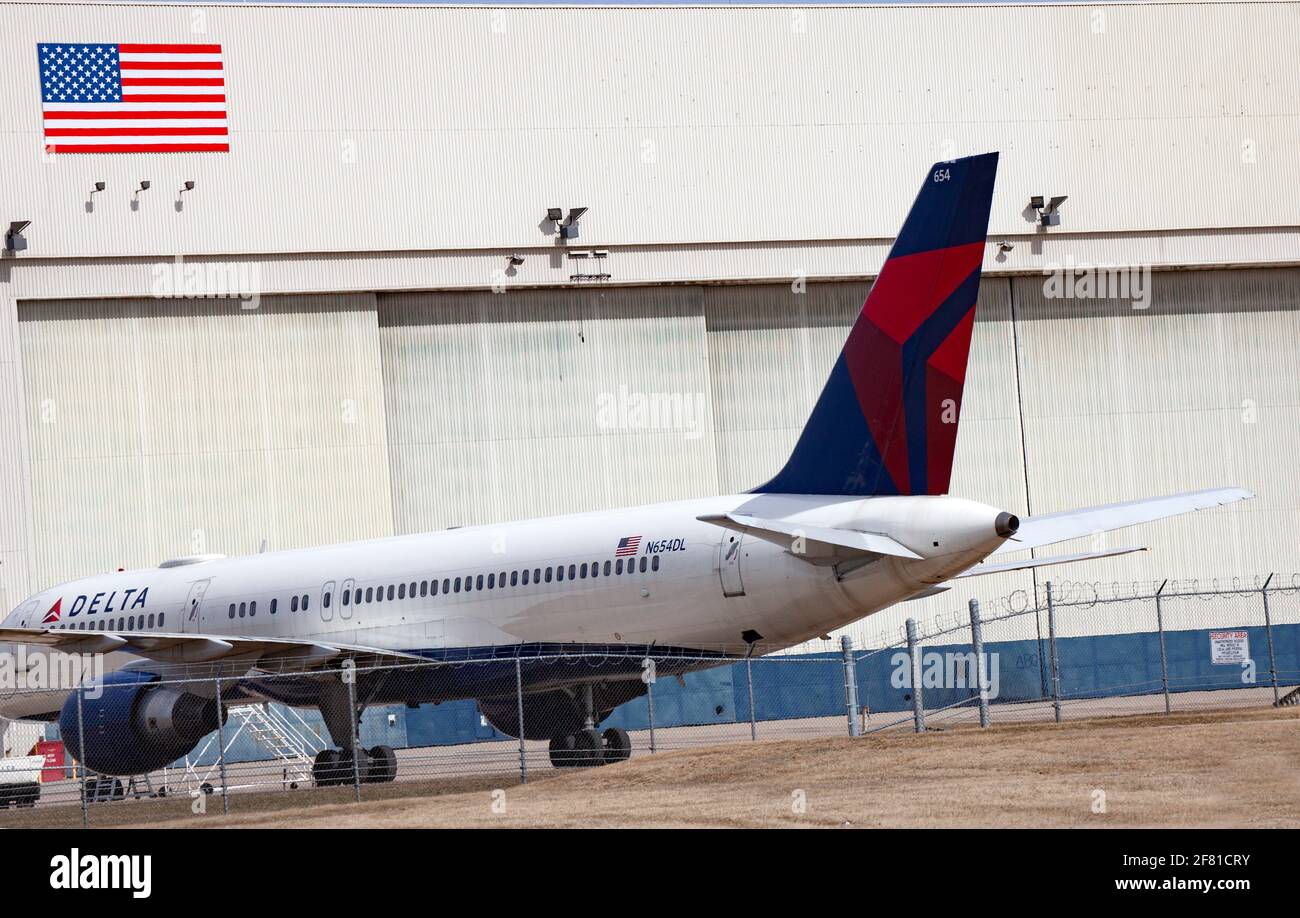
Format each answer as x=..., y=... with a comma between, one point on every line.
x=81, y=738
x=519, y=695
x=850, y=685
x=1055, y=658
x=914, y=654
x=650, y=671
x=351, y=673
x=221, y=748
x=977, y=644
x=1164, y=660
x=749, y=682
x=1268, y=633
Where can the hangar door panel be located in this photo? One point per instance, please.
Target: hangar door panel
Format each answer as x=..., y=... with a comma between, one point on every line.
x=167, y=427
x=528, y=403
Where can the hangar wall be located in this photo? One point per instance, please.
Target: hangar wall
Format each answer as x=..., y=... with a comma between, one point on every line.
x=329, y=418
x=380, y=387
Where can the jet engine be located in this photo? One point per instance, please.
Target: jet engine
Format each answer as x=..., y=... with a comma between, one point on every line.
x=133, y=724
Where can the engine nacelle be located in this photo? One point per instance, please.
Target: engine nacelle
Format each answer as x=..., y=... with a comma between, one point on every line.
x=135, y=725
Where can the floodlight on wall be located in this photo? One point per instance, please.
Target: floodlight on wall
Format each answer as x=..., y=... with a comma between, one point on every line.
x=515, y=260
x=14, y=239
x=100, y=186
x=1049, y=214
x=145, y=185
x=188, y=186
x=555, y=214
x=570, y=228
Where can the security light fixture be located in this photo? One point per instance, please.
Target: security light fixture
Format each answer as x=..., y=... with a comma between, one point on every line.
x=575, y=213
x=1049, y=213
x=1005, y=246
x=555, y=213
x=516, y=260
x=14, y=240
x=100, y=186
x=145, y=185
x=188, y=186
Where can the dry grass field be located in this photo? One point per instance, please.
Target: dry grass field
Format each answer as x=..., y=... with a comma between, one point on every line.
x=1229, y=768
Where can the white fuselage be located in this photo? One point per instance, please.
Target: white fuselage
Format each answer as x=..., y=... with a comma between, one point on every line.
x=709, y=587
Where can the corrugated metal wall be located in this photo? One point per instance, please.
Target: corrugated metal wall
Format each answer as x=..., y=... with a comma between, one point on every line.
x=454, y=128
x=160, y=428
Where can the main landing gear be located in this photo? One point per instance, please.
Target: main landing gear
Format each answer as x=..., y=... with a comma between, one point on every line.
x=334, y=766
x=590, y=747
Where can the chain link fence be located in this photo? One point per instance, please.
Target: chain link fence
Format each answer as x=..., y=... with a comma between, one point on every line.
x=515, y=713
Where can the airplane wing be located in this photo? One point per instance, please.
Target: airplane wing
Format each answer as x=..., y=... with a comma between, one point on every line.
x=1072, y=524
x=815, y=544
x=284, y=653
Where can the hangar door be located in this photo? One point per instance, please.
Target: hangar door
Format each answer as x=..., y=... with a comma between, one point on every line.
x=159, y=428
x=506, y=406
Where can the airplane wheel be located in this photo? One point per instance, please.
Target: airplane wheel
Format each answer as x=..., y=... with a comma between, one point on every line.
x=327, y=769
x=562, y=751
x=588, y=749
x=382, y=765
x=617, y=745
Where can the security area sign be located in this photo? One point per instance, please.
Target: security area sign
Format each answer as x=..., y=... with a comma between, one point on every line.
x=1229, y=647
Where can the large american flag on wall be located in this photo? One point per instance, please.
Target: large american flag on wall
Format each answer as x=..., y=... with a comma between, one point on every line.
x=133, y=98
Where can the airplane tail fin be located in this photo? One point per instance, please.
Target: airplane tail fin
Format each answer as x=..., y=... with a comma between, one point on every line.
x=886, y=421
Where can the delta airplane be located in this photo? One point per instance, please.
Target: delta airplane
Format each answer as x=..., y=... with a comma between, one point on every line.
x=857, y=520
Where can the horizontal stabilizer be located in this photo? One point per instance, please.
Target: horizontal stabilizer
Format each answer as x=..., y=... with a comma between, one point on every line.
x=814, y=544
x=1072, y=524
x=980, y=570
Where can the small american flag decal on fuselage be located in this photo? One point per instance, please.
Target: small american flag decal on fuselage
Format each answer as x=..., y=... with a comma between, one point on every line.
x=627, y=545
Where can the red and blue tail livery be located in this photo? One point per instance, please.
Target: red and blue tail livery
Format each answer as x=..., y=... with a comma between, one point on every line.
x=886, y=421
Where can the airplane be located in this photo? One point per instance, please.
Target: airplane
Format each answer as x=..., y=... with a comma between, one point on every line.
x=857, y=520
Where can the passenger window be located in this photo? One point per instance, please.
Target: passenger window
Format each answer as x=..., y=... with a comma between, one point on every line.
x=370, y=594
x=243, y=609
x=514, y=578
x=446, y=582
x=232, y=610
x=347, y=598
x=161, y=616
x=526, y=572
x=293, y=603
x=537, y=575
x=390, y=591
x=643, y=563
x=305, y=598
x=492, y=581
x=606, y=568
x=456, y=585
x=478, y=582
x=654, y=563
x=559, y=572
x=548, y=575
x=582, y=571
x=252, y=608
x=401, y=591
x=325, y=598
x=573, y=569
x=618, y=566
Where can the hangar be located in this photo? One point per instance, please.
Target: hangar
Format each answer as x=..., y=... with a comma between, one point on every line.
x=384, y=310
